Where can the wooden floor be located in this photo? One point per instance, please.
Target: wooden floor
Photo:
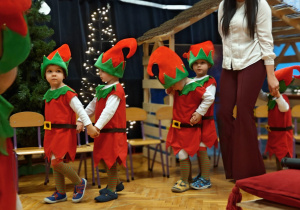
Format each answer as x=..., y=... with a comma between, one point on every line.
x=149, y=190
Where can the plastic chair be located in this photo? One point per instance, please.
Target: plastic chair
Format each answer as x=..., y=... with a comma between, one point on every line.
x=296, y=115
x=140, y=115
x=23, y=120
x=261, y=112
x=164, y=113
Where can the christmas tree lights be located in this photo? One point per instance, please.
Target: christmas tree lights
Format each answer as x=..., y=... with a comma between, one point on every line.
x=101, y=38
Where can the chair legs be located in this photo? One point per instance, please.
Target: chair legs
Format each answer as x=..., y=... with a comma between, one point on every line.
x=47, y=171
x=150, y=168
x=83, y=158
x=216, y=159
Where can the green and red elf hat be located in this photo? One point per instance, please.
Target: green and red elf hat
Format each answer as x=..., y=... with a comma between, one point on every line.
x=15, y=39
x=60, y=57
x=171, y=67
x=112, y=61
x=204, y=51
x=285, y=77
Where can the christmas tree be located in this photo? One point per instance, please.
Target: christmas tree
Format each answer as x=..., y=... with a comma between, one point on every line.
x=101, y=38
x=26, y=94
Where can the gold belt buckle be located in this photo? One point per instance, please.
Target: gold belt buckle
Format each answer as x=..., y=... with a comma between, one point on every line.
x=176, y=124
x=47, y=125
x=268, y=128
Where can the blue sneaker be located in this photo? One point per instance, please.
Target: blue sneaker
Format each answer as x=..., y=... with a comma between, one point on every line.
x=119, y=188
x=201, y=184
x=79, y=191
x=106, y=195
x=56, y=197
x=196, y=178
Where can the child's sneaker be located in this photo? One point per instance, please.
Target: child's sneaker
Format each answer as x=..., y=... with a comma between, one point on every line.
x=56, y=197
x=201, y=183
x=196, y=178
x=106, y=195
x=180, y=186
x=119, y=188
x=79, y=191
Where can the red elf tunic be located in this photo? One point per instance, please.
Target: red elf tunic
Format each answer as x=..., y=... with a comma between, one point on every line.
x=60, y=141
x=209, y=134
x=112, y=146
x=280, y=143
x=8, y=173
x=185, y=104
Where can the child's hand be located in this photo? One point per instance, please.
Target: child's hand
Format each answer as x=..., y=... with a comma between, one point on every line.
x=92, y=131
x=79, y=127
x=170, y=90
x=277, y=94
x=196, y=117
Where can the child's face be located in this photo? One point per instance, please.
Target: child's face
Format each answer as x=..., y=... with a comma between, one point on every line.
x=179, y=85
x=55, y=75
x=107, y=78
x=201, y=67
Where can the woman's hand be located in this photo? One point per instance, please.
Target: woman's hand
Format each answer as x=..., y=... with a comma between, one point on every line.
x=272, y=80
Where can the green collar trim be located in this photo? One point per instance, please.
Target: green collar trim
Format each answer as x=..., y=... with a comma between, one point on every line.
x=5, y=129
x=54, y=94
x=108, y=67
x=188, y=88
x=13, y=44
x=102, y=93
x=202, y=81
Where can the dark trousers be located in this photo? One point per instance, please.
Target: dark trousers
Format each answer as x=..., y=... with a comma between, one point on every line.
x=238, y=137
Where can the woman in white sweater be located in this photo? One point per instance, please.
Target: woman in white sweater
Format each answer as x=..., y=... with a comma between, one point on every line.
x=245, y=27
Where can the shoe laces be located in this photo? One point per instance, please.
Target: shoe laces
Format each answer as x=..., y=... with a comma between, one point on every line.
x=79, y=188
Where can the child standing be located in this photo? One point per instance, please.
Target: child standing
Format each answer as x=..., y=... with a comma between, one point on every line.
x=200, y=58
x=185, y=132
x=60, y=143
x=109, y=107
x=14, y=40
x=280, y=131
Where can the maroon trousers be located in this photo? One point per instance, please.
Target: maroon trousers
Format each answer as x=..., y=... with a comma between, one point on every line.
x=238, y=137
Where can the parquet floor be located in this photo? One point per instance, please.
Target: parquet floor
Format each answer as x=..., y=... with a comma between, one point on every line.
x=149, y=190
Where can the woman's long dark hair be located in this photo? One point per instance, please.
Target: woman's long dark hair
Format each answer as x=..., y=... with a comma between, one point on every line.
x=250, y=13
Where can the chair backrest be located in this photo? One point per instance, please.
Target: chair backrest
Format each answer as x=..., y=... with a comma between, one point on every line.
x=295, y=114
x=163, y=113
x=260, y=112
x=135, y=114
x=27, y=119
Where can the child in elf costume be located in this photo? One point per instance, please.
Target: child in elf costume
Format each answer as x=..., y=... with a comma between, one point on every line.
x=109, y=107
x=14, y=49
x=185, y=132
x=280, y=131
x=200, y=58
x=60, y=142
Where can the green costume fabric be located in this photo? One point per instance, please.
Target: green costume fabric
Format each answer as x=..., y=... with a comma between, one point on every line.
x=5, y=129
x=188, y=88
x=54, y=94
x=16, y=48
x=102, y=93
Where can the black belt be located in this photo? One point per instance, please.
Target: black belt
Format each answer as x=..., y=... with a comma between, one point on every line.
x=177, y=124
x=113, y=130
x=279, y=128
x=48, y=125
x=207, y=117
